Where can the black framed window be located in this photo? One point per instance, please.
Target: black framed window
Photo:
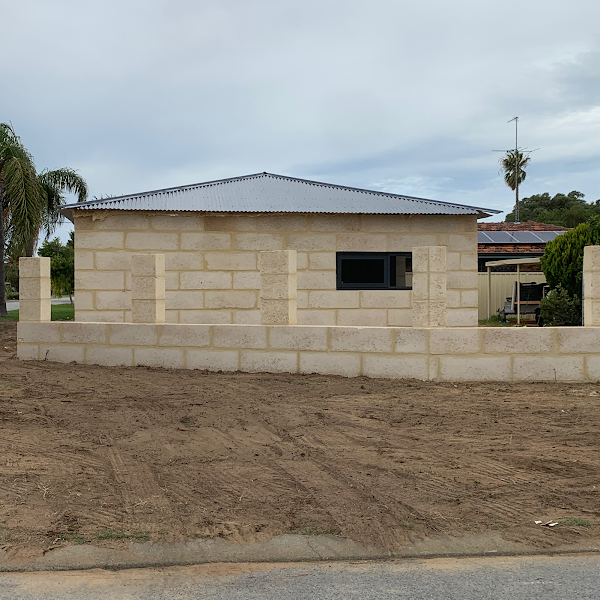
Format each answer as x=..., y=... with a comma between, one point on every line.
x=374, y=271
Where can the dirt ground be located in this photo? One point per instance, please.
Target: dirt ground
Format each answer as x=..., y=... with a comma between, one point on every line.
x=106, y=455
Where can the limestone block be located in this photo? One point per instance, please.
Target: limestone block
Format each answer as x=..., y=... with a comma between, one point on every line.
x=205, y=316
x=591, y=258
x=148, y=265
x=34, y=267
x=278, y=312
x=437, y=313
x=195, y=336
x=316, y=317
x=246, y=317
x=112, y=300
x=385, y=223
x=548, y=368
x=210, y=360
x=517, y=339
x=420, y=313
x=108, y=356
x=475, y=368
x=205, y=281
x=34, y=288
x=453, y=298
x=468, y=261
x=230, y=261
x=326, y=363
x=100, y=316
x=322, y=261
x=298, y=338
x=301, y=260
x=39, y=332
x=420, y=259
x=147, y=288
x=334, y=299
x=406, y=242
x=132, y=334
x=171, y=316
x=248, y=280
x=425, y=223
x=84, y=259
x=184, y=261
x=437, y=286
x=279, y=262
x=253, y=361
x=316, y=280
x=592, y=367
x=454, y=341
x=239, y=336
x=152, y=241
x=385, y=299
x=361, y=339
x=469, y=298
x=369, y=317
x=420, y=287
x=302, y=299
x=112, y=261
x=362, y=242
x=312, y=242
x=335, y=223
x=34, y=310
x=411, y=341
x=230, y=299
x=396, y=367
x=61, y=353
x=121, y=222
x=282, y=222
x=205, y=241
x=84, y=300
x=172, y=280
x=400, y=317
x=83, y=222
x=574, y=340
x=462, y=242
x=462, y=317
x=165, y=358
x=177, y=222
x=453, y=261
x=462, y=279
x=230, y=223
x=184, y=299
x=26, y=351
x=84, y=333
x=278, y=287
x=258, y=241
x=99, y=240
x=148, y=311
x=98, y=280
x=437, y=259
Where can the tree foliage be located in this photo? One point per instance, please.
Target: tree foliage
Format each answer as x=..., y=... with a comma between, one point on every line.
x=567, y=210
x=62, y=265
x=559, y=309
x=562, y=261
x=508, y=166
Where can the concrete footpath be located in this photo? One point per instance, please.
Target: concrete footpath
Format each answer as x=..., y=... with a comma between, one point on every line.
x=284, y=548
x=14, y=304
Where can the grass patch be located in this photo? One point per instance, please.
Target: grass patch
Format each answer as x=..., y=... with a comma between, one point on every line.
x=494, y=321
x=575, y=522
x=139, y=536
x=309, y=529
x=73, y=537
x=60, y=312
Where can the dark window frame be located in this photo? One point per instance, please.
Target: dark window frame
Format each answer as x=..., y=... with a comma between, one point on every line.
x=389, y=270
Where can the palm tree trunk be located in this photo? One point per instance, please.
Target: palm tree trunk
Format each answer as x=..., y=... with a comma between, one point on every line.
x=3, y=312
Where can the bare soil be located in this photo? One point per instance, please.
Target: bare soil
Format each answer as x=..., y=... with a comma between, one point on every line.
x=106, y=455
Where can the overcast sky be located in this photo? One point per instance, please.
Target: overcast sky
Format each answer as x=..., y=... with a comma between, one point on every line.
x=402, y=96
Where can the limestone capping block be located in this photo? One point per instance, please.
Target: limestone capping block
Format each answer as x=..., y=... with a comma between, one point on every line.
x=429, y=291
x=591, y=286
x=34, y=289
x=148, y=288
x=278, y=287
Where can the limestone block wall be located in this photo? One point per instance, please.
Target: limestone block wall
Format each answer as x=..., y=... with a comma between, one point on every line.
x=444, y=354
x=212, y=273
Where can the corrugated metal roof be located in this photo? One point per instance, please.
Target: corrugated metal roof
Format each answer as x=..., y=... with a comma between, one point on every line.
x=268, y=193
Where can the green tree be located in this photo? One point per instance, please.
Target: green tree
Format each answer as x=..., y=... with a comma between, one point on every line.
x=20, y=205
x=508, y=166
x=567, y=210
x=558, y=309
x=62, y=265
x=562, y=261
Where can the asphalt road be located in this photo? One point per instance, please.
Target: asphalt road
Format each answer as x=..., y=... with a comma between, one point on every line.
x=550, y=578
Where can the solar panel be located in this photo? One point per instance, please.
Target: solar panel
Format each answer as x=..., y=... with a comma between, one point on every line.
x=548, y=236
x=526, y=237
x=517, y=237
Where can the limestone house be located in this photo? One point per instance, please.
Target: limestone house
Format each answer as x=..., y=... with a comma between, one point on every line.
x=354, y=263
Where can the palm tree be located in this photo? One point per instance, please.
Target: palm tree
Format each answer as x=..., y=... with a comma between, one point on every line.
x=508, y=166
x=29, y=202
x=20, y=202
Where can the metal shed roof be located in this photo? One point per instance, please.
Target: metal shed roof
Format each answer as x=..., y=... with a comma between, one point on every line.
x=268, y=193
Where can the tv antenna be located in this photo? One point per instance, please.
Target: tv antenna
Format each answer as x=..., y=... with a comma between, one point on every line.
x=516, y=150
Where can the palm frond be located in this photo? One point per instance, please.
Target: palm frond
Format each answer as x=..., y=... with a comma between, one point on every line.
x=67, y=180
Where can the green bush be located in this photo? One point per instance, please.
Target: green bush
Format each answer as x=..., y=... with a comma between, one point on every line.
x=562, y=261
x=559, y=309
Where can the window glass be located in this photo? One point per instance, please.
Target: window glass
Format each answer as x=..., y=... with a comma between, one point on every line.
x=363, y=270
x=374, y=270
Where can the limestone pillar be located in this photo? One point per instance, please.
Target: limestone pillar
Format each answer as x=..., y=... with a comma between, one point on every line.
x=429, y=286
x=591, y=286
x=34, y=289
x=148, y=288
x=278, y=287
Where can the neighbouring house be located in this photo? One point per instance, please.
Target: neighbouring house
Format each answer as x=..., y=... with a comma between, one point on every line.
x=507, y=241
x=353, y=250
